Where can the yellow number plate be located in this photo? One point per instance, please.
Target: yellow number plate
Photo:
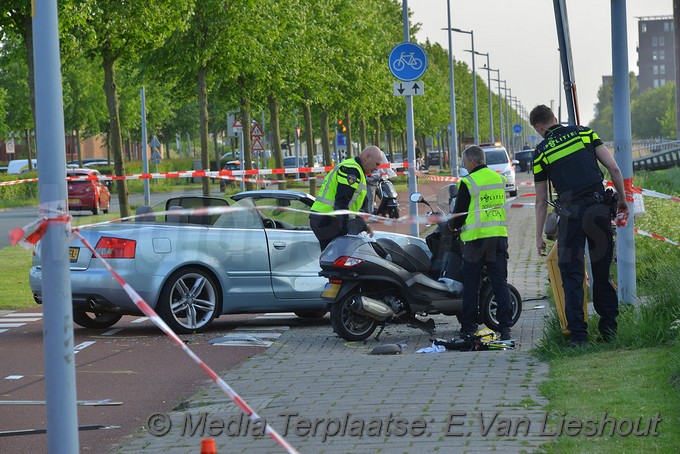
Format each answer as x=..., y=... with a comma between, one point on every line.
x=73, y=201
x=330, y=291
x=73, y=253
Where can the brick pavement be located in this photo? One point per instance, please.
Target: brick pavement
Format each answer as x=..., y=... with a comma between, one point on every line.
x=465, y=402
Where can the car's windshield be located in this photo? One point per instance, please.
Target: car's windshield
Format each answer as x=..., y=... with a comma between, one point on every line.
x=496, y=157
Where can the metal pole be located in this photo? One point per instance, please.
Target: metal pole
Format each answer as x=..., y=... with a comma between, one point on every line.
x=453, y=137
x=488, y=81
x=60, y=373
x=623, y=153
x=500, y=106
x=145, y=157
x=565, y=57
x=474, y=81
x=410, y=136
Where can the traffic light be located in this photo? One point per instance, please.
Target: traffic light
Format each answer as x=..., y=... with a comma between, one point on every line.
x=341, y=126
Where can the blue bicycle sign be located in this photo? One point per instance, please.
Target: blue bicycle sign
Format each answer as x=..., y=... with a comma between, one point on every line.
x=407, y=61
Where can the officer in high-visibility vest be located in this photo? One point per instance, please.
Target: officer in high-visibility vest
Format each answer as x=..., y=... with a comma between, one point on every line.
x=344, y=188
x=479, y=216
x=570, y=157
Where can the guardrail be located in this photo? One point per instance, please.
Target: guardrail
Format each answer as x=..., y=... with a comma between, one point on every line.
x=659, y=160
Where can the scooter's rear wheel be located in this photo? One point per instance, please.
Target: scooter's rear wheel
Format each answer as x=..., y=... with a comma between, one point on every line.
x=490, y=307
x=348, y=324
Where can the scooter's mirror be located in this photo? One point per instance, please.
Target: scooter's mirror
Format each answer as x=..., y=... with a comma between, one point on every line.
x=416, y=197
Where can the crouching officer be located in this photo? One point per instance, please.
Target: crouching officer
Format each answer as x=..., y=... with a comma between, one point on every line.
x=480, y=217
x=344, y=188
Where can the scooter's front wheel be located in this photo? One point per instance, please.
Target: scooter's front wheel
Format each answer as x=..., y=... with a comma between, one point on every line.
x=348, y=324
x=490, y=307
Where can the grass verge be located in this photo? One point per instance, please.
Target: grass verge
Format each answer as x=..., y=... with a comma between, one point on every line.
x=638, y=374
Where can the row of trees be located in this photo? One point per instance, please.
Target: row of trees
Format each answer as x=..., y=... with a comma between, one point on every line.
x=652, y=112
x=303, y=61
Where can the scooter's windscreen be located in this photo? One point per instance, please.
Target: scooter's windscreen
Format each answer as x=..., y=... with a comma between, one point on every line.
x=446, y=197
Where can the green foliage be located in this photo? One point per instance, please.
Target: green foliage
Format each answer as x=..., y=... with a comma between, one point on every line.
x=17, y=194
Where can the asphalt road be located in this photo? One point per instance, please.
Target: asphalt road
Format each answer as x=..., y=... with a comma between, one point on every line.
x=132, y=364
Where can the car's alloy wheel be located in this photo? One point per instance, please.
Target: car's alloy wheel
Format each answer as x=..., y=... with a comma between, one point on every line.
x=188, y=301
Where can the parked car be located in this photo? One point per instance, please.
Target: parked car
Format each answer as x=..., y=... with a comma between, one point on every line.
x=526, y=160
x=433, y=158
x=194, y=268
x=92, y=194
x=498, y=160
x=19, y=166
x=232, y=165
x=289, y=161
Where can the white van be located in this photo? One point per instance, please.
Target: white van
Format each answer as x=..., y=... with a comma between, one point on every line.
x=19, y=166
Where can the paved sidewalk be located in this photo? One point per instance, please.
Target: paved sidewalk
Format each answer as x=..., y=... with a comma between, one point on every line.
x=327, y=395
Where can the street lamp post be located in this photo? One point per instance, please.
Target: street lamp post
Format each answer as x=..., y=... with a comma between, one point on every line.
x=452, y=100
x=488, y=81
x=500, y=106
x=474, y=80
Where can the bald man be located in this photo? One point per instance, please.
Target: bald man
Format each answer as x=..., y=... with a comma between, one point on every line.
x=344, y=188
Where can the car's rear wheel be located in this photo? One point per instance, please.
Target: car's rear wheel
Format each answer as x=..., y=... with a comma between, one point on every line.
x=311, y=313
x=95, y=209
x=95, y=319
x=189, y=300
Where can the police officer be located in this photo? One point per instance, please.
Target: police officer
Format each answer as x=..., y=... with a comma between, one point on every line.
x=569, y=157
x=480, y=217
x=344, y=188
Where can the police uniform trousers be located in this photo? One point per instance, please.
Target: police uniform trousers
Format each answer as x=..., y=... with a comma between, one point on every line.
x=591, y=222
x=492, y=253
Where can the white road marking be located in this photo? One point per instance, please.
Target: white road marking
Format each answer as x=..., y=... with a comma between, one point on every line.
x=14, y=377
x=11, y=325
x=112, y=332
x=140, y=320
x=19, y=314
x=82, y=345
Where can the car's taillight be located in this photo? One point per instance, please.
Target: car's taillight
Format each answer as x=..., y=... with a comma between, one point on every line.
x=116, y=248
x=347, y=262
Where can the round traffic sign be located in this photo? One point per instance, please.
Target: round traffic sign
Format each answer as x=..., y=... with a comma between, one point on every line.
x=407, y=61
x=517, y=128
x=9, y=145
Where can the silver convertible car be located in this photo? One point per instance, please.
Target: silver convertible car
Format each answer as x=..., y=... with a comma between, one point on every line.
x=193, y=268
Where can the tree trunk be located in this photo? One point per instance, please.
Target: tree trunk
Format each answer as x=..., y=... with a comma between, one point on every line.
x=362, y=129
x=115, y=139
x=276, y=137
x=247, y=154
x=376, y=137
x=325, y=139
x=309, y=138
x=203, y=124
x=78, y=150
x=348, y=135
x=390, y=148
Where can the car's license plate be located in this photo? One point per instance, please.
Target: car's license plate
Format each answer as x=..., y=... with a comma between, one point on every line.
x=73, y=253
x=73, y=201
x=330, y=291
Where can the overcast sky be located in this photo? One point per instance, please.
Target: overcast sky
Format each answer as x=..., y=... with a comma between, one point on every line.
x=521, y=40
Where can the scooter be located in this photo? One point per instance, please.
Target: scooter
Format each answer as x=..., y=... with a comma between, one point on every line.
x=387, y=194
x=374, y=282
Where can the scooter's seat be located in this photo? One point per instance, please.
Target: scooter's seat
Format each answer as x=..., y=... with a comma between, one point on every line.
x=411, y=257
